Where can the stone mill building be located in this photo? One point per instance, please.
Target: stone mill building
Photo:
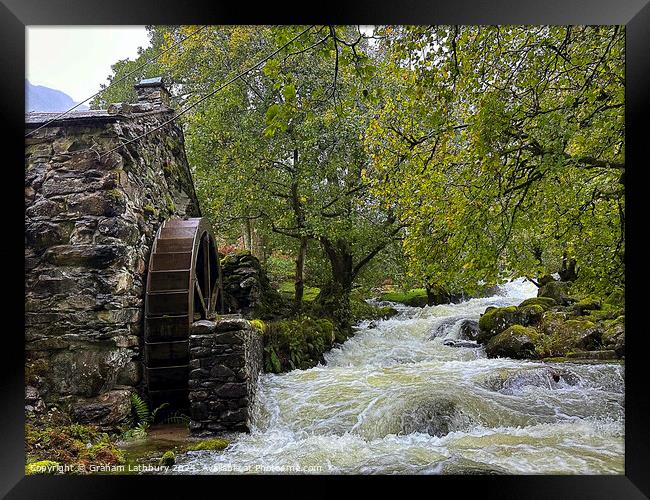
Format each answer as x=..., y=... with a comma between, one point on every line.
x=93, y=206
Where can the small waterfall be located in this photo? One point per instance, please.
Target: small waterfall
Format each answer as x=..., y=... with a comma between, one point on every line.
x=414, y=394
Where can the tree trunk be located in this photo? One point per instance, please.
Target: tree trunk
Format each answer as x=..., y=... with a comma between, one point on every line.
x=436, y=295
x=568, y=271
x=257, y=245
x=334, y=298
x=247, y=234
x=299, y=284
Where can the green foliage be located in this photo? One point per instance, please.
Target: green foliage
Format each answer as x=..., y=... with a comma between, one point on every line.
x=296, y=344
x=70, y=444
x=458, y=155
x=412, y=297
x=144, y=417
x=287, y=289
x=280, y=268
x=502, y=162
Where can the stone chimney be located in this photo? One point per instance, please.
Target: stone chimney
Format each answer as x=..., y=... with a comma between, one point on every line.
x=153, y=91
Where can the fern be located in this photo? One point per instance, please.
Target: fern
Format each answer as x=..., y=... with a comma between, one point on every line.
x=140, y=407
x=155, y=412
x=177, y=418
x=140, y=431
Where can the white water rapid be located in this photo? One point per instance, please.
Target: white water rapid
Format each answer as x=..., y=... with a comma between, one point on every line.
x=395, y=399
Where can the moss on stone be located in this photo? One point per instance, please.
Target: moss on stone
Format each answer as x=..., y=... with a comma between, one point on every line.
x=557, y=290
x=563, y=335
x=495, y=320
x=168, y=459
x=215, y=444
x=545, y=302
x=149, y=209
x=517, y=341
x=258, y=324
x=169, y=204
x=296, y=343
x=587, y=304
x=41, y=467
x=116, y=195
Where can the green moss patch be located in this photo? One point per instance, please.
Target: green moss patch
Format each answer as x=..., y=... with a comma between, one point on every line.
x=517, y=342
x=75, y=445
x=545, y=302
x=216, y=444
x=41, y=467
x=296, y=343
x=168, y=459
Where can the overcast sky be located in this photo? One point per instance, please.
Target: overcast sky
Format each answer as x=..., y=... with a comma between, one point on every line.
x=77, y=59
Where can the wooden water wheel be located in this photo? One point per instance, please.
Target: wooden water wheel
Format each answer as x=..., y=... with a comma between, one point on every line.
x=183, y=286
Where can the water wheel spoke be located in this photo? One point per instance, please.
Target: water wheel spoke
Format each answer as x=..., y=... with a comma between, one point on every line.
x=197, y=287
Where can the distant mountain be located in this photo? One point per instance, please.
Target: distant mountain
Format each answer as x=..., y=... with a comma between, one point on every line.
x=45, y=99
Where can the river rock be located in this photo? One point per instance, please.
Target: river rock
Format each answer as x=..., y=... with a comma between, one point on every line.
x=437, y=417
x=108, y=411
x=515, y=342
x=497, y=319
x=562, y=334
x=586, y=304
x=460, y=343
x=469, y=329
x=556, y=290
x=545, y=302
x=614, y=336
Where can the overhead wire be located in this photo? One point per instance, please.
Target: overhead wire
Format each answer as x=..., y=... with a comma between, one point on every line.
x=209, y=94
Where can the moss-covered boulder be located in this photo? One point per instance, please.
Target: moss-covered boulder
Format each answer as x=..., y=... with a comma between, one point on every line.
x=530, y=314
x=563, y=333
x=556, y=290
x=517, y=342
x=297, y=343
x=545, y=302
x=614, y=335
x=168, y=459
x=216, y=444
x=497, y=319
x=587, y=304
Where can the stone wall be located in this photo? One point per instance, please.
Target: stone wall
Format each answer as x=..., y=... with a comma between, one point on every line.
x=90, y=219
x=247, y=289
x=225, y=362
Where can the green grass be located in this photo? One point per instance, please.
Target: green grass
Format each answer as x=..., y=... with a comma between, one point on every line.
x=287, y=289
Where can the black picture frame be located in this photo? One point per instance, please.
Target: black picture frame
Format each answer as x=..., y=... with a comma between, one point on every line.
x=15, y=15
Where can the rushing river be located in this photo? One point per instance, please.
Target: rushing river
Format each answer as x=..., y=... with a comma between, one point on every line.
x=395, y=399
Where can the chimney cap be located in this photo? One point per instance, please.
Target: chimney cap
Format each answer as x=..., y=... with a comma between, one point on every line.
x=150, y=82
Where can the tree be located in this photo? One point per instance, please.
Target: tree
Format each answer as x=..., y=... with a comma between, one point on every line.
x=283, y=149
x=503, y=148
